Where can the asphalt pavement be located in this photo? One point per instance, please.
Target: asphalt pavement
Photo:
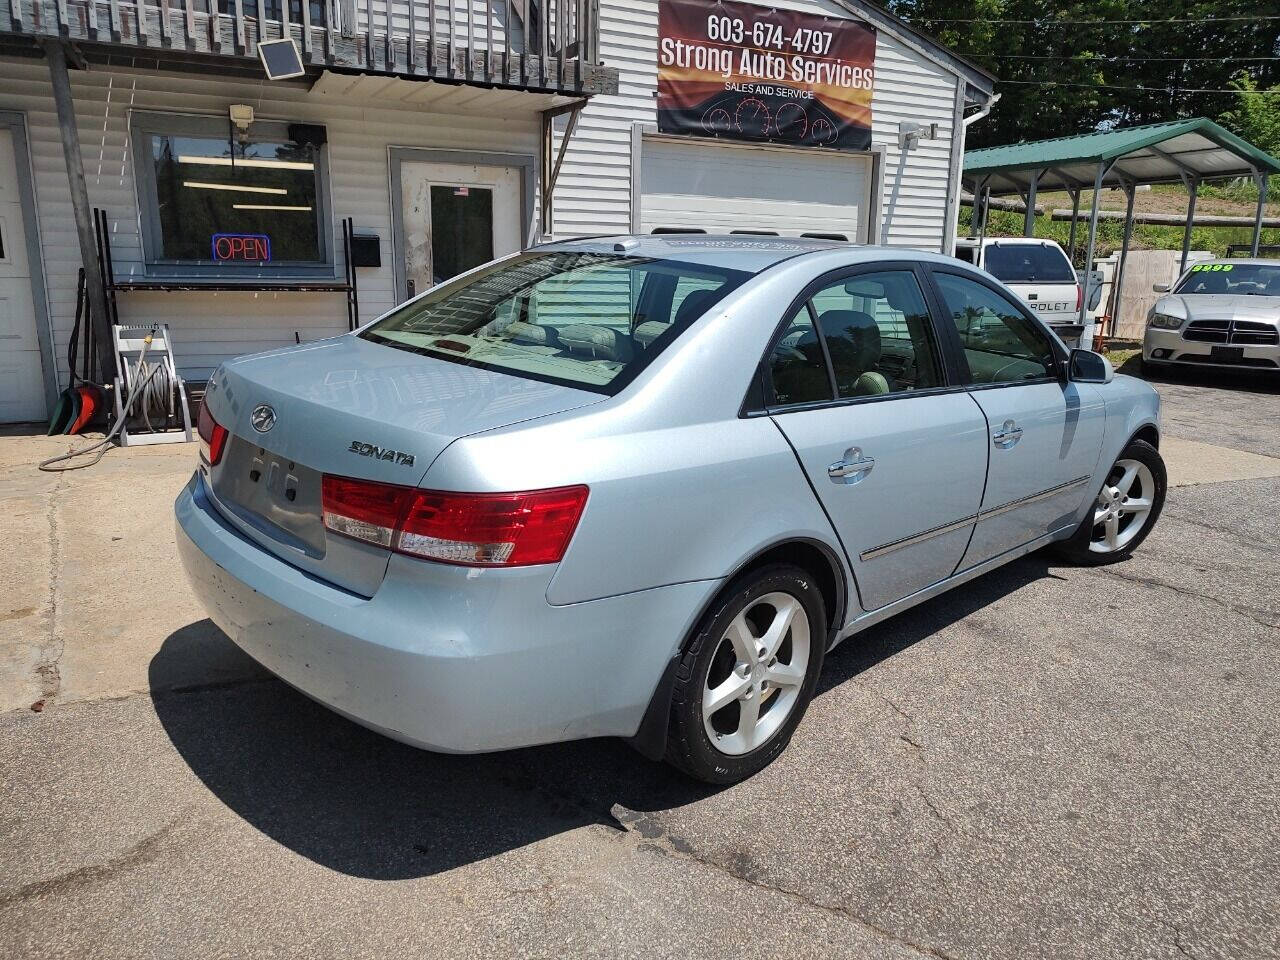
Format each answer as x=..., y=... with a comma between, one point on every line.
x=1047, y=762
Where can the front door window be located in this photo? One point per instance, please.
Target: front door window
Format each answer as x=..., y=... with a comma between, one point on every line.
x=453, y=217
x=1000, y=343
x=461, y=229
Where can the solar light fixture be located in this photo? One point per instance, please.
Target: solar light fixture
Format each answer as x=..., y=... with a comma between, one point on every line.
x=280, y=58
x=241, y=115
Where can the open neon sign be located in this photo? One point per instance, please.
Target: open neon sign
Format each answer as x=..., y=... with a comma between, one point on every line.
x=241, y=247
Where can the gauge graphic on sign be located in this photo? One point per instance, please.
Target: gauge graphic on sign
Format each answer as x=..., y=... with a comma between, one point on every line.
x=768, y=118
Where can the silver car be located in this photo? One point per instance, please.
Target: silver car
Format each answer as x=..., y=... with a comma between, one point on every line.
x=639, y=486
x=1225, y=313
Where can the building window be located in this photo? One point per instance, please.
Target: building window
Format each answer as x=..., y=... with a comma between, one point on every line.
x=219, y=202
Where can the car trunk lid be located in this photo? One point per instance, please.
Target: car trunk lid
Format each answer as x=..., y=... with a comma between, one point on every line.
x=355, y=409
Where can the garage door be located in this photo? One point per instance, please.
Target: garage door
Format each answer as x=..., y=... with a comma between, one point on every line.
x=723, y=189
x=21, y=379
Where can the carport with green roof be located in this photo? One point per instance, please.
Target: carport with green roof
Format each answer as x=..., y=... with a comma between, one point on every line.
x=1182, y=151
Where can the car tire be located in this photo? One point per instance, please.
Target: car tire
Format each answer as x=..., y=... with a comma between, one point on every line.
x=1108, y=533
x=772, y=666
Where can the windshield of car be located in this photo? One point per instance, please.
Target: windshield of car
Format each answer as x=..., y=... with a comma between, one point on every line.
x=1232, y=279
x=587, y=320
x=1028, y=263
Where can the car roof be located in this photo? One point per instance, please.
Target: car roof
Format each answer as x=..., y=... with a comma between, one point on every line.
x=734, y=251
x=1008, y=241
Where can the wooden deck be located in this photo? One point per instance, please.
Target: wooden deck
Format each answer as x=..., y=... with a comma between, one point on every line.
x=463, y=41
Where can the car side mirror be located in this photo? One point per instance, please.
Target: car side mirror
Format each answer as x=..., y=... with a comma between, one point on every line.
x=1085, y=366
x=1160, y=287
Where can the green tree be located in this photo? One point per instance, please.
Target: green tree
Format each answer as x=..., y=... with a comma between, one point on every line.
x=1069, y=67
x=1256, y=115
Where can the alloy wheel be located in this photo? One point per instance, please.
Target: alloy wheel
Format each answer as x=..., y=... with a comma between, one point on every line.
x=756, y=673
x=1123, y=506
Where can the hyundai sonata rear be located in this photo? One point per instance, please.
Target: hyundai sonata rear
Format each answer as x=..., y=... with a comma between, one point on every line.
x=324, y=539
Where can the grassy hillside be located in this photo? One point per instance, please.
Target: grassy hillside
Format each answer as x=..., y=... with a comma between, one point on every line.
x=1236, y=201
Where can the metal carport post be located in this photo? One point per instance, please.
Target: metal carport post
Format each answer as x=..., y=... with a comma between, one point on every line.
x=1093, y=233
x=1029, y=216
x=1260, y=178
x=982, y=202
x=1193, y=188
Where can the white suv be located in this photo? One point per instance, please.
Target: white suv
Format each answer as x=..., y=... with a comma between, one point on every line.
x=1038, y=271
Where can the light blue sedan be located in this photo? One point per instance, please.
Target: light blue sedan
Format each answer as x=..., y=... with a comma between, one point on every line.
x=639, y=486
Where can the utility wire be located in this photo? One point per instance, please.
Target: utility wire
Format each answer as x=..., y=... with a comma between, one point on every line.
x=1111, y=86
x=1092, y=23
x=1112, y=58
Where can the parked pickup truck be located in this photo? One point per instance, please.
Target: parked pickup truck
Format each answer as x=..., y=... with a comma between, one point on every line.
x=1036, y=270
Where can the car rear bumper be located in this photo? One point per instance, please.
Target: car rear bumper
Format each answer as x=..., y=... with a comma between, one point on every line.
x=454, y=659
x=1168, y=346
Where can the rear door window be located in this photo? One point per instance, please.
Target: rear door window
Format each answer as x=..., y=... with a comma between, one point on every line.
x=797, y=365
x=1028, y=263
x=874, y=331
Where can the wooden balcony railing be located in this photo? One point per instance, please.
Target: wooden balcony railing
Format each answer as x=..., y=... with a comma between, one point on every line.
x=531, y=44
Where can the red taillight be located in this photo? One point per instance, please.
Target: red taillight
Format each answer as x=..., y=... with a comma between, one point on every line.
x=1079, y=297
x=363, y=510
x=474, y=529
x=213, y=435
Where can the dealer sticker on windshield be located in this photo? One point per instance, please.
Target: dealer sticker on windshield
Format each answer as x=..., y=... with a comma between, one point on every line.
x=1212, y=267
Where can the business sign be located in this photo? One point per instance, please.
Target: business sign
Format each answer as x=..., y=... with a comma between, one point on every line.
x=241, y=247
x=746, y=72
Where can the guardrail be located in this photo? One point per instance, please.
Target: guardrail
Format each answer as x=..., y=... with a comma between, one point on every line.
x=547, y=44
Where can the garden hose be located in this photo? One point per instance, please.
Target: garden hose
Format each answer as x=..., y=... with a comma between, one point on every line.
x=157, y=391
x=70, y=459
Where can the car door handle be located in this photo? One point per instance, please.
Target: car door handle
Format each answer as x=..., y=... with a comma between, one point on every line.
x=852, y=468
x=1008, y=434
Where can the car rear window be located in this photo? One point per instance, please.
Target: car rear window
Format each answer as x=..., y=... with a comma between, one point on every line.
x=587, y=320
x=1028, y=263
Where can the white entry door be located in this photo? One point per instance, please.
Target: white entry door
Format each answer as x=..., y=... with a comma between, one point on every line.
x=719, y=188
x=21, y=380
x=456, y=216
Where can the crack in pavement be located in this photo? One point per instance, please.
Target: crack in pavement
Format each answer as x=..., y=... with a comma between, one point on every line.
x=898, y=710
x=1256, y=615
x=50, y=654
x=146, y=850
x=645, y=827
x=1177, y=937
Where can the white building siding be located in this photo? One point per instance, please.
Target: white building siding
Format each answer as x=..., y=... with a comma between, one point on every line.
x=211, y=327
x=593, y=194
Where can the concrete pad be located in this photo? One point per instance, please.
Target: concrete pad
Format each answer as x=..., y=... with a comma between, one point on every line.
x=1191, y=462
x=91, y=580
